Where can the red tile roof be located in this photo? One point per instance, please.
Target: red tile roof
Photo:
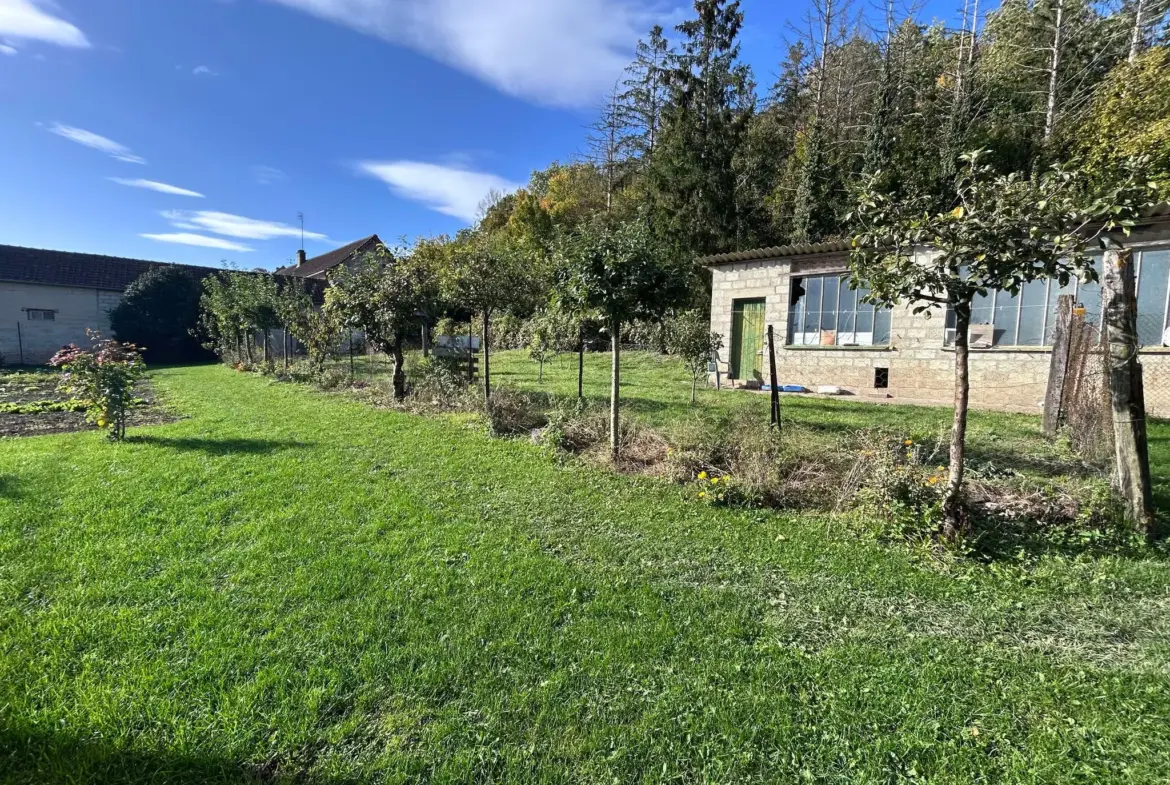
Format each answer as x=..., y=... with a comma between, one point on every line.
x=84, y=270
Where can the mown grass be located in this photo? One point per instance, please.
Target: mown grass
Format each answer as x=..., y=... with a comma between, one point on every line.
x=288, y=586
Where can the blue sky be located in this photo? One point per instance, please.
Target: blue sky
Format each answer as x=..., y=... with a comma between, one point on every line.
x=195, y=130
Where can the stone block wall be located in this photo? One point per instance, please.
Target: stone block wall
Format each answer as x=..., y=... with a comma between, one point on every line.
x=921, y=369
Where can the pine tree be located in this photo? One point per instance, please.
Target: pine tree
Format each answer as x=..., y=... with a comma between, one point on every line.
x=709, y=103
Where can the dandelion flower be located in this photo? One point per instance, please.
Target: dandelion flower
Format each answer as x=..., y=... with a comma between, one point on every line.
x=702, y=475
x=702, y=494
x=714, y=480
x=908, y=442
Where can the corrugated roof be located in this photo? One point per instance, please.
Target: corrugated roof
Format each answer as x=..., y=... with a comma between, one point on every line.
x=775, y=252
x=319, y=266
x=1157, y=213
x=84, y=270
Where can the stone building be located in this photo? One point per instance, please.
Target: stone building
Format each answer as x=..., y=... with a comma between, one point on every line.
x=826, y=337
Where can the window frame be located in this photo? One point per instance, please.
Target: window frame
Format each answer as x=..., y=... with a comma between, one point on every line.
x=46, y=314
x=1075, y=283
x=856, y=309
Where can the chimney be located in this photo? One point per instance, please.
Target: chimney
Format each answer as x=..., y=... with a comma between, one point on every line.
x=300, y=257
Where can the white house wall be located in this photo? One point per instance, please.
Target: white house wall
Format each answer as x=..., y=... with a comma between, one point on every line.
x=36, y=341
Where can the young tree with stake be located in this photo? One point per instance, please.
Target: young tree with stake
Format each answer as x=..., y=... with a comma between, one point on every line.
x=1001, y=232
x=382, y=296
x=690, y=338
x=485, y=273
x=619, y=273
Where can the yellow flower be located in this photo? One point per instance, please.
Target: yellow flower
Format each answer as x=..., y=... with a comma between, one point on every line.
x=702, y=494
x=908, y=442
x=714, y=480
x=702, y=475
x=101, y=423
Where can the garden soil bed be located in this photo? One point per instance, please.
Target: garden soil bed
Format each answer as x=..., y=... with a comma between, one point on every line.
x=43, y=423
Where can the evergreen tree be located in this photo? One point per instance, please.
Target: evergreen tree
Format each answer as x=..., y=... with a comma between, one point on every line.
x=709, y=103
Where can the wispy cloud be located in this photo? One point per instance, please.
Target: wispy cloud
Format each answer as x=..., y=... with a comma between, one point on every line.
x=152, y=185
x=267, y=175
x=101, y=143
x=230, y=225
x=5, y=49
x=450, y=190
x=558, y=52
x=184, y=238
x=202, y=70
x=28, y=20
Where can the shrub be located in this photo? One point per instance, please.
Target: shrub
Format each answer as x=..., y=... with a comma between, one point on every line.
x=436, y=383
x=104, y=376
x=898, y=497
x=160, y=312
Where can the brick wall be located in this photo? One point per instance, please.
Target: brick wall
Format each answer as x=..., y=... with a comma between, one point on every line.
x=921, y=370
x=77, y=309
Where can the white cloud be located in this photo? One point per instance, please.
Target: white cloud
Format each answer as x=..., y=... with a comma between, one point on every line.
x=27, y=20
x=182, y=238
x=5, y=49
x=152, y=185
x=230, y=225
x=90, y=139
x=558, y=52
x=447, y=189
x=267, y=175
x=202, y=70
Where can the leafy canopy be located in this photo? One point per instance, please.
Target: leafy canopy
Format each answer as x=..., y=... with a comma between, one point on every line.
x=620, y=273
x=1001, y=232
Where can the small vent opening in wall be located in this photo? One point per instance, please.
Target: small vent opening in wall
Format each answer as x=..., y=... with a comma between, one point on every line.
x=881, y=378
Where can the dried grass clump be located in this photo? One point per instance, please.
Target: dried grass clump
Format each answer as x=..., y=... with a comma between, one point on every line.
x=511, y=412
x=790, y=468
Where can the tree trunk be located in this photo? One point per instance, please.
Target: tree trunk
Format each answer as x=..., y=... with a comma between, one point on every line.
x=540, y=374
x=694, y=386
x=615, y=391
x=953, y=518
x=267, y=350
x=487, y=367
x=1054, y=69
x=1137, y=37
x=1130, y=445
x=399, y=373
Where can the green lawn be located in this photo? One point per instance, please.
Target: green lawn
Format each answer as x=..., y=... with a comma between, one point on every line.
x=290, y=586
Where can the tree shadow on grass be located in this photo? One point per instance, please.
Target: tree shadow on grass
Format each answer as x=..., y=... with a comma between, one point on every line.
x=10, y=487
x=48, y=758
x=219, y=446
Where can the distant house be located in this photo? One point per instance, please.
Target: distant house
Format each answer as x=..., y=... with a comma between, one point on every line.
x=50, y=298
x=319, y=267
x=826, y=336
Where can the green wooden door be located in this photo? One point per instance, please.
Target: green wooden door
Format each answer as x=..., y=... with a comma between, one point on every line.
x=747, y=339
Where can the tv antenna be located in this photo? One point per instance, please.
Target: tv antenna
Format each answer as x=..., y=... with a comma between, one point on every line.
x=301, y=218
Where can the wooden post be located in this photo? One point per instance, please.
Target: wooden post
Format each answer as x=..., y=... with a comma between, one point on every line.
x=615, y=391
x=775, y=386
x=470, y=353
x=1058, y=367
x=1131, y=456
x=580, y=364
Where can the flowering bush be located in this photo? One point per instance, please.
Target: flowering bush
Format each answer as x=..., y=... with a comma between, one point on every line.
x=103, y=376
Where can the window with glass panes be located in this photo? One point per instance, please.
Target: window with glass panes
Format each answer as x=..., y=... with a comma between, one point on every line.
x=1029, y=318
x=824, y=311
